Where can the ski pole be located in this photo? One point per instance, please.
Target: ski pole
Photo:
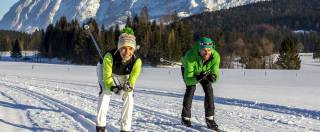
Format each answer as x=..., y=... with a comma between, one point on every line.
x=87, y=28
x=116, y=82
x=171, y=62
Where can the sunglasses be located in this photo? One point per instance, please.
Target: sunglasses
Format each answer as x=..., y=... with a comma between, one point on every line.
x=206, y=44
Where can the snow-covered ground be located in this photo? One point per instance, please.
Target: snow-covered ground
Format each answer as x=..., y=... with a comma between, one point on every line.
x=51, y=97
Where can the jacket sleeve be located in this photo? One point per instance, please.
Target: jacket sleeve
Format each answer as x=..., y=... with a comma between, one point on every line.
x=189, y=75
x=107, y=71
x=135, y=72
x=216, y=64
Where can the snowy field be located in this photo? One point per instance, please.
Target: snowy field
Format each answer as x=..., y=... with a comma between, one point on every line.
x=51, y=97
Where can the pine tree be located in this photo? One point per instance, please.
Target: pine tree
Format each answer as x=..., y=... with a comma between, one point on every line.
x=162, y=39
x=75, y=38
x=186, y=37
x=16, y=50
x=153, y=51
x=129, y=22
x=46, y=45
x=6, y=43
x=289, y=55
x=171, y=42
x=117, y=33
x=62, y=24
x=110, y=39
x=316, y=53
x=1, y=49
x=35, y=41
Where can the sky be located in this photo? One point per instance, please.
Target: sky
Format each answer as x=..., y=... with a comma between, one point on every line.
x=5, y=6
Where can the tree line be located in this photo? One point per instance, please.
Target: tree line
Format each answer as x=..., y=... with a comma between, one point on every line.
x=69, y=41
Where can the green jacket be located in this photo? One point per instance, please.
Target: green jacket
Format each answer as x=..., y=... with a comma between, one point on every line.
x=194, y=65
x=108, y=69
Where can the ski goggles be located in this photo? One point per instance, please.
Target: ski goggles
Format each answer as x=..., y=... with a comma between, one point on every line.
x=206, y=45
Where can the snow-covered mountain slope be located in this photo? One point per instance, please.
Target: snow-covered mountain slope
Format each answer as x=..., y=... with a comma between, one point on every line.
x=47, y=97
x=28, y=15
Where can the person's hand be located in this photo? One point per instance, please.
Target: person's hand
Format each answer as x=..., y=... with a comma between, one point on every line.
x=201, y=76
x=211, y=77
x=116, y=89
x=126, y=87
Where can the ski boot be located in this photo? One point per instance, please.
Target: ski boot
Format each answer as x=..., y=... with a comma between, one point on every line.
x=100, y=129
x=186, y=121
x=211, y=124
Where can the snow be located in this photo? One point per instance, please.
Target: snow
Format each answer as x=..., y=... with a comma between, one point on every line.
x=303, y=31
x=10, y=107
x=53, y=97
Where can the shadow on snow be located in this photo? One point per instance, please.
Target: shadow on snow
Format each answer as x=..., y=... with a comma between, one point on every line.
x=314, y=114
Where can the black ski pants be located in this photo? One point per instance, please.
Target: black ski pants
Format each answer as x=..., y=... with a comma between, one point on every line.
x=208, y=99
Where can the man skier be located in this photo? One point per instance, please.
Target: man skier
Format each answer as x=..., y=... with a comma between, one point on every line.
x=200, y=65
x=120, y=70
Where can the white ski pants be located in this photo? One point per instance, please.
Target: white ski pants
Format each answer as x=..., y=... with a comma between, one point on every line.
x=127, y=106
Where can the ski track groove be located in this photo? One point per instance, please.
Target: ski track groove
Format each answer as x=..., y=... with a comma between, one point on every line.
x=313, y=114
x=85, y=119
x=47, y=103
x=35, y=125
x=139, y=108
x=118, y=102
x=235, y=102
x=177, y=122
x=71, y=82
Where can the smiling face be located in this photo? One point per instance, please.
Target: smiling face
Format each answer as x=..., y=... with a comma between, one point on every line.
x=205, y=53
x=126, y=52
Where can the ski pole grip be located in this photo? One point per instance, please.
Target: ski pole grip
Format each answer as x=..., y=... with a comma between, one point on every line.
x=87, y=27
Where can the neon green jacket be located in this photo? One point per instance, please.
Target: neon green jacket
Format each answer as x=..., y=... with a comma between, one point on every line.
x=108, y=70
x=194, y=65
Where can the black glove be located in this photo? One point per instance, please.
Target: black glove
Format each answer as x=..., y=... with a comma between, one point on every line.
x=201, y=76
x=211, y=77
x=116, y=89
x=126, y=87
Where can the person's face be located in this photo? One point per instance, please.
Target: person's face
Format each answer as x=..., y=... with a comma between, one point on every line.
x=126, y=53
x=205, y=53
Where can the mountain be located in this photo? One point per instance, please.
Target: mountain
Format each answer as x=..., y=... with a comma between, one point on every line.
x=294, y=15
x=29, y=15
x=275, y=19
